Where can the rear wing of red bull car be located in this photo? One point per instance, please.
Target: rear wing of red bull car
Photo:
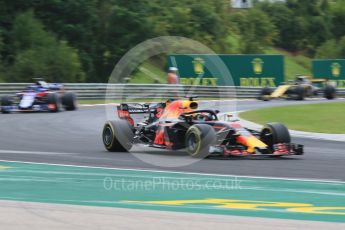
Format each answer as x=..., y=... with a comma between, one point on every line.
x=125, y=110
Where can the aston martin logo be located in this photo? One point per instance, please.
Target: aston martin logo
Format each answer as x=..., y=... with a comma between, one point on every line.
x=198, y=65
x=335, y=68
x=257, y=65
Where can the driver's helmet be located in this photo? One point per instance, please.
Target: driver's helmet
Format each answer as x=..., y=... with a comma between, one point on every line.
x=42, y=84
x=203, y=117
x=34, y=88
x=170, y=100
x=301, y=79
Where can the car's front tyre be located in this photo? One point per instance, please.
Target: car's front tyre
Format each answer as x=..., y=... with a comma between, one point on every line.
x=265, y=94
x=53, y=101
x=275, y=133
x=198, y=140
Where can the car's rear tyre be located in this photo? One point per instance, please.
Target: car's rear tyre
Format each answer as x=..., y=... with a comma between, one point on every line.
x=117, y=136
x=329, y=92
x=5, y=101
x=265, y=94
x=53, y=101
x=69, y=101
x=198, y=140
x=274, y=133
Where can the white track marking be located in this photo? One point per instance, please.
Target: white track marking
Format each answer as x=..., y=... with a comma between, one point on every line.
x=36, y=153
x=338, y=181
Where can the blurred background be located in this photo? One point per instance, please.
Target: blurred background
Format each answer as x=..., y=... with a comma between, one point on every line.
x=82, y=40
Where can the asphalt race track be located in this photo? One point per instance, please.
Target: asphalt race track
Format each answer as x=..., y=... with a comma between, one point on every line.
x=74, y=138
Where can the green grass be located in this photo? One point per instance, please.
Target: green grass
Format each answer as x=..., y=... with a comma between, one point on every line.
x=322, y=118
x=294, y=64
x=149, y=72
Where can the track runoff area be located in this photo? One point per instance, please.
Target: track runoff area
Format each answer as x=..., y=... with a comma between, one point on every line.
x=196, y=189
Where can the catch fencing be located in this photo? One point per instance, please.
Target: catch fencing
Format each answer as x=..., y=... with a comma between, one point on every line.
x=101, y=91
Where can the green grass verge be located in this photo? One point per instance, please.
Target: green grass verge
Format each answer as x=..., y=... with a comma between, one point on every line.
x=322, y=118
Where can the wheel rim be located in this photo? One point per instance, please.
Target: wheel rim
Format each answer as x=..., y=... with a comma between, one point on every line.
x=192, y=143
x=266, y=137
x=107, y=135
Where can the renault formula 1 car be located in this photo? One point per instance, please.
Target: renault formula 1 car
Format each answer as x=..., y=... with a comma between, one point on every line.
x=40, y=96
x=178, y=124
x=299, y=89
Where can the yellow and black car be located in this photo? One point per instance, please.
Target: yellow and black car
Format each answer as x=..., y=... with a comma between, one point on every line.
x=299, y=89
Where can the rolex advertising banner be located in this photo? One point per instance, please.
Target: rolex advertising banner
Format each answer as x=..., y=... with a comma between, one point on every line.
x=221, y=70
x=331, y=69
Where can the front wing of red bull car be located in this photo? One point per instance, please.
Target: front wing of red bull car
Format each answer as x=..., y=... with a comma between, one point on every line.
x=235, y=140
x=214, y=138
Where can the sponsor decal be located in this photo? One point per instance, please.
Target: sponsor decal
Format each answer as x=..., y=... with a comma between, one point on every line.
x=206, y=81
x=257, y=82
x=257, y=65
x=198, y=64
x=335, y=69
x=243, y=70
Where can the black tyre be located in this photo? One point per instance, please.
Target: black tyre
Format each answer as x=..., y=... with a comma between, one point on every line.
x=6, y=101
x=69, y=101
x=329, y=92
x=274, y=133
x=198, y=140
x=117, y=136
x=53, y=101
x=300, y=93
x=265, y=94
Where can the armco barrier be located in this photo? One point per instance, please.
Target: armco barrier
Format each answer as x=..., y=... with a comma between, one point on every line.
x=118, y=91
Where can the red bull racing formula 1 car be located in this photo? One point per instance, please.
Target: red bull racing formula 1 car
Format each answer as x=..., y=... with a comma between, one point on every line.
x=178, y=124
x=40, y=96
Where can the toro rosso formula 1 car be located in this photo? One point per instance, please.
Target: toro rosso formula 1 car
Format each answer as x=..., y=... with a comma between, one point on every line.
x=40, y=96
x=178, y=124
